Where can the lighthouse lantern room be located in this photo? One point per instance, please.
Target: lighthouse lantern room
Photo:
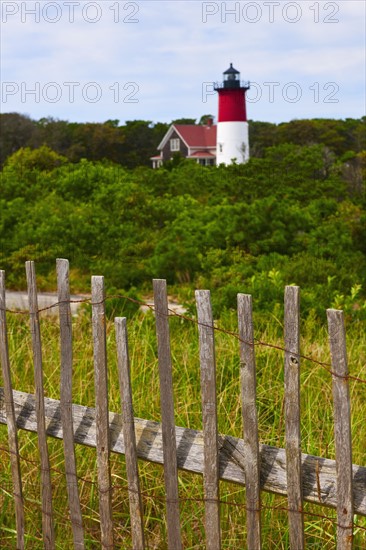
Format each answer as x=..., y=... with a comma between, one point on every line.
x=232, y=125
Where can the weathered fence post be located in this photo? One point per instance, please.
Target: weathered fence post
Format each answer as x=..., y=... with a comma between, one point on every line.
x=167, y=414
x=134, y=492
x=342, y=428
x=101, y=411
x=250, y=422
x=337, y=484
x=209, y=419
x=10, y=418
x=46, y=488
x=63, y=290
x=292, y=417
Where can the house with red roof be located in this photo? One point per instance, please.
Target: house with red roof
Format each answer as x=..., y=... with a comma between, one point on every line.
x=197, y=142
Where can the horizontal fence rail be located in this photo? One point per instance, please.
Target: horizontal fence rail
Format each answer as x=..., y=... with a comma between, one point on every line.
x=319, y=474
x=301, y=477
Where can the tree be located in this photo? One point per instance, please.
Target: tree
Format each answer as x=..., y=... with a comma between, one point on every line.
x=261, y=136
x=16, y=131
x=27, y=173
x=184, y=121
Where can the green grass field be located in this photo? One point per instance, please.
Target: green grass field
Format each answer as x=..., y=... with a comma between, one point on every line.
x=316, y=428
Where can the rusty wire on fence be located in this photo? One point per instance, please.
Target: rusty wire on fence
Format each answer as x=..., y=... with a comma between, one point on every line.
x=147, y=493
x=172, y=313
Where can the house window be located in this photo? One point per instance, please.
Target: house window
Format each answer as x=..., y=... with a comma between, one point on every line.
x=174, y=145
x=205, y=162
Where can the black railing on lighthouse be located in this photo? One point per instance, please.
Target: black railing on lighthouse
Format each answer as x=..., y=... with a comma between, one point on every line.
x=232, y=84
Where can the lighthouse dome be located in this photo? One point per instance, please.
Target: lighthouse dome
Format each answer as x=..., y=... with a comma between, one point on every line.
x=231, y=78
x=231, y=70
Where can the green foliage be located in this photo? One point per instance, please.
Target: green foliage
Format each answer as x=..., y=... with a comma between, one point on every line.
x=118, y=303
x=133, y=143
x=122, y=303
x=338, y=136
x=27, y=173
x=16, y=131
x=184, y=121
x=294, y=216
x=353, y=305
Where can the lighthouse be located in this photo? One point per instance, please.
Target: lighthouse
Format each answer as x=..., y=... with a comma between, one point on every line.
x=232, y=126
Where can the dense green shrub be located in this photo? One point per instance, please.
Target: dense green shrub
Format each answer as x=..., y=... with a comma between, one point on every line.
x=291, y=217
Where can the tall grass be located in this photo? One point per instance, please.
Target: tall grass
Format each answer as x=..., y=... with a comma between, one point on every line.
x=316, y=428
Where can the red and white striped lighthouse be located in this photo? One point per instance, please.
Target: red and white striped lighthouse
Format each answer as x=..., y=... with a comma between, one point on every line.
x=232, y=125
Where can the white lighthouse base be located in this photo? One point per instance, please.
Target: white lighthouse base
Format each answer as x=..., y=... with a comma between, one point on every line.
x=232, y=142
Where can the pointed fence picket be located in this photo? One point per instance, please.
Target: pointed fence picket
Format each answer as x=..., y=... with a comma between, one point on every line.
x=292, y=416
x=252, y=465
x=46, y=485
x=8, y=404
x=129, y=438
x=209, y=420
x=101, y=411
x=337, y=484
x=167, y=414
x=342, y=429
x=63, y=289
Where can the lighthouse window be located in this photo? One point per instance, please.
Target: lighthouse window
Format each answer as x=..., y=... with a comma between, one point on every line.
x=174, y=145
x=220, y=147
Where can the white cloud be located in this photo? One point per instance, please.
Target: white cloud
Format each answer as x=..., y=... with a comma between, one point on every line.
x=169, y=52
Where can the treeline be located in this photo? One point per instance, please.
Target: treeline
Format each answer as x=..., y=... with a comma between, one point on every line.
x=295, y=215
x=133, y=143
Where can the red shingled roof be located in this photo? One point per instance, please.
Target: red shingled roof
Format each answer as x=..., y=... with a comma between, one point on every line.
x=197, y=136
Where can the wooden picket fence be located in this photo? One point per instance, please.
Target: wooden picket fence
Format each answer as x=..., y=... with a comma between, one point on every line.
x=333, y=483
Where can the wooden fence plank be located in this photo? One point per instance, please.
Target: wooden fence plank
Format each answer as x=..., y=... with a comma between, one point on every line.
x=209, y=419
x=250, y=422
x=101, y=409
x=342, y=428
x=46, y=488
x=319, y=474
x=292, y=416
x=11, y=421
x=134, y=492
x=63, y=289
x=167, y=414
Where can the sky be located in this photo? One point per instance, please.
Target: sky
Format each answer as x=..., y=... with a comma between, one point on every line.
x=91, y=61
